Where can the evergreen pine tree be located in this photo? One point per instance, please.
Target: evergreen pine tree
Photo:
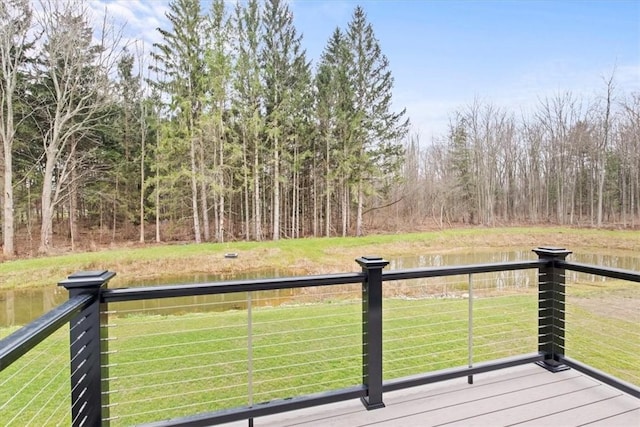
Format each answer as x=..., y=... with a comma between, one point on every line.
x=127, y=167
x=335, y=113
x=217, y=82
x=180, y=57
x=461, y=163
x=377, y=129
x=281, y=50
x=248, y=114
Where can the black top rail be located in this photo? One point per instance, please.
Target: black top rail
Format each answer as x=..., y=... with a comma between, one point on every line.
x=168, y=291
x=419, y=273
x=213, y=288
x=21, y=341
x=613, y=273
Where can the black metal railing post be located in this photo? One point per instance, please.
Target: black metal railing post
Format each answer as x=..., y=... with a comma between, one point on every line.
x=372, y=330
x=551, y=307
x=88, y=351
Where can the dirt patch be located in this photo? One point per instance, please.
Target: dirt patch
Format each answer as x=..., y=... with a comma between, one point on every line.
x=619, y=304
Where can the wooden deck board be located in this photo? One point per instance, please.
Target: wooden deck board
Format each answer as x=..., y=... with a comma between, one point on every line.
x=525, y=395
x=630, y=418
x=594, y=410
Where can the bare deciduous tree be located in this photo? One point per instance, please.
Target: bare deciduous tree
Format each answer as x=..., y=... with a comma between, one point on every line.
x=15, y=23
x=603, y=144
x=75, y=72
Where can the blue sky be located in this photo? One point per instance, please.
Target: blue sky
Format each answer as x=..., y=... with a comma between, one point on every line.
x=444, y=54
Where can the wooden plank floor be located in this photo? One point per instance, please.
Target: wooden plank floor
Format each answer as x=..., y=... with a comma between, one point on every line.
x=525, y=395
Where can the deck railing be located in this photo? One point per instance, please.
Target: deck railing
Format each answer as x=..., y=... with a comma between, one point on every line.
x=267, y=346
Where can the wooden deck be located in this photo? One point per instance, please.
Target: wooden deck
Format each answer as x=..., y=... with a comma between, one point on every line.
x=525, y=395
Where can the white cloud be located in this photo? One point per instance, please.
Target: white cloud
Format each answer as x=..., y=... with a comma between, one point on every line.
x=139, y=18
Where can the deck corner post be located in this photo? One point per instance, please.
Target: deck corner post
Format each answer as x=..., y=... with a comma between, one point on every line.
x=372, y=329
x=89, y=350
x=551, y=307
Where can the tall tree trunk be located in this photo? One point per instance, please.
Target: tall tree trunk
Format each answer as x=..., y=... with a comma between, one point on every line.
x=221, y=204
x=276, y=190
x=16, y=26
x=602, y=173
x=623, y=201
x=592, y=211
x=245, y=189
x=116, y=195
x=143, y=141
x=295, y=190
x=46, y=229
x=603, y=150
x=359, y=231
x=633, y=211
x=203, y=194
x=257, y=205
x=8, y=248
x=314, y=184
x=73, y=202
x=327, y=201
x=158, y=139
x=194, y=193
x=345, y=208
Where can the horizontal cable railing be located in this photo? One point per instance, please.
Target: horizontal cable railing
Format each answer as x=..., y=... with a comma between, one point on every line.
x=308, y=341
x=209, y=353
x=172, y=359
x=20, y=342
x=198, y=353
x=444, y=318
x=446, y=322
x=34, y=391
x=602, y=323
x=291, y=337
x=34, y=369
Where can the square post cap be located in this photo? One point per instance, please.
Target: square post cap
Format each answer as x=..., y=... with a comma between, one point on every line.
x=552, y=252
x=371, y=261
x=87, y=279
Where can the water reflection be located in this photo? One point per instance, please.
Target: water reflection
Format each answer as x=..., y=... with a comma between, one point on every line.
x=442, y=260
x=519, y=278
x=18, y=307
x=202, y=303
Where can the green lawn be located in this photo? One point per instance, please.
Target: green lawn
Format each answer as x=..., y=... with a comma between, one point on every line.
x=603, y=319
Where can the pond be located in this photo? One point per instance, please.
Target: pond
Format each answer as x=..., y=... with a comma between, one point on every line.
x=18, y=307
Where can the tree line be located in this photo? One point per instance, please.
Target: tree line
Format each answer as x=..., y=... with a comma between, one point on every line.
x=225, y=130
x=570, y=161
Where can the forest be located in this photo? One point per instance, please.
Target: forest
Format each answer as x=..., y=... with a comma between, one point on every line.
x=225, y=130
